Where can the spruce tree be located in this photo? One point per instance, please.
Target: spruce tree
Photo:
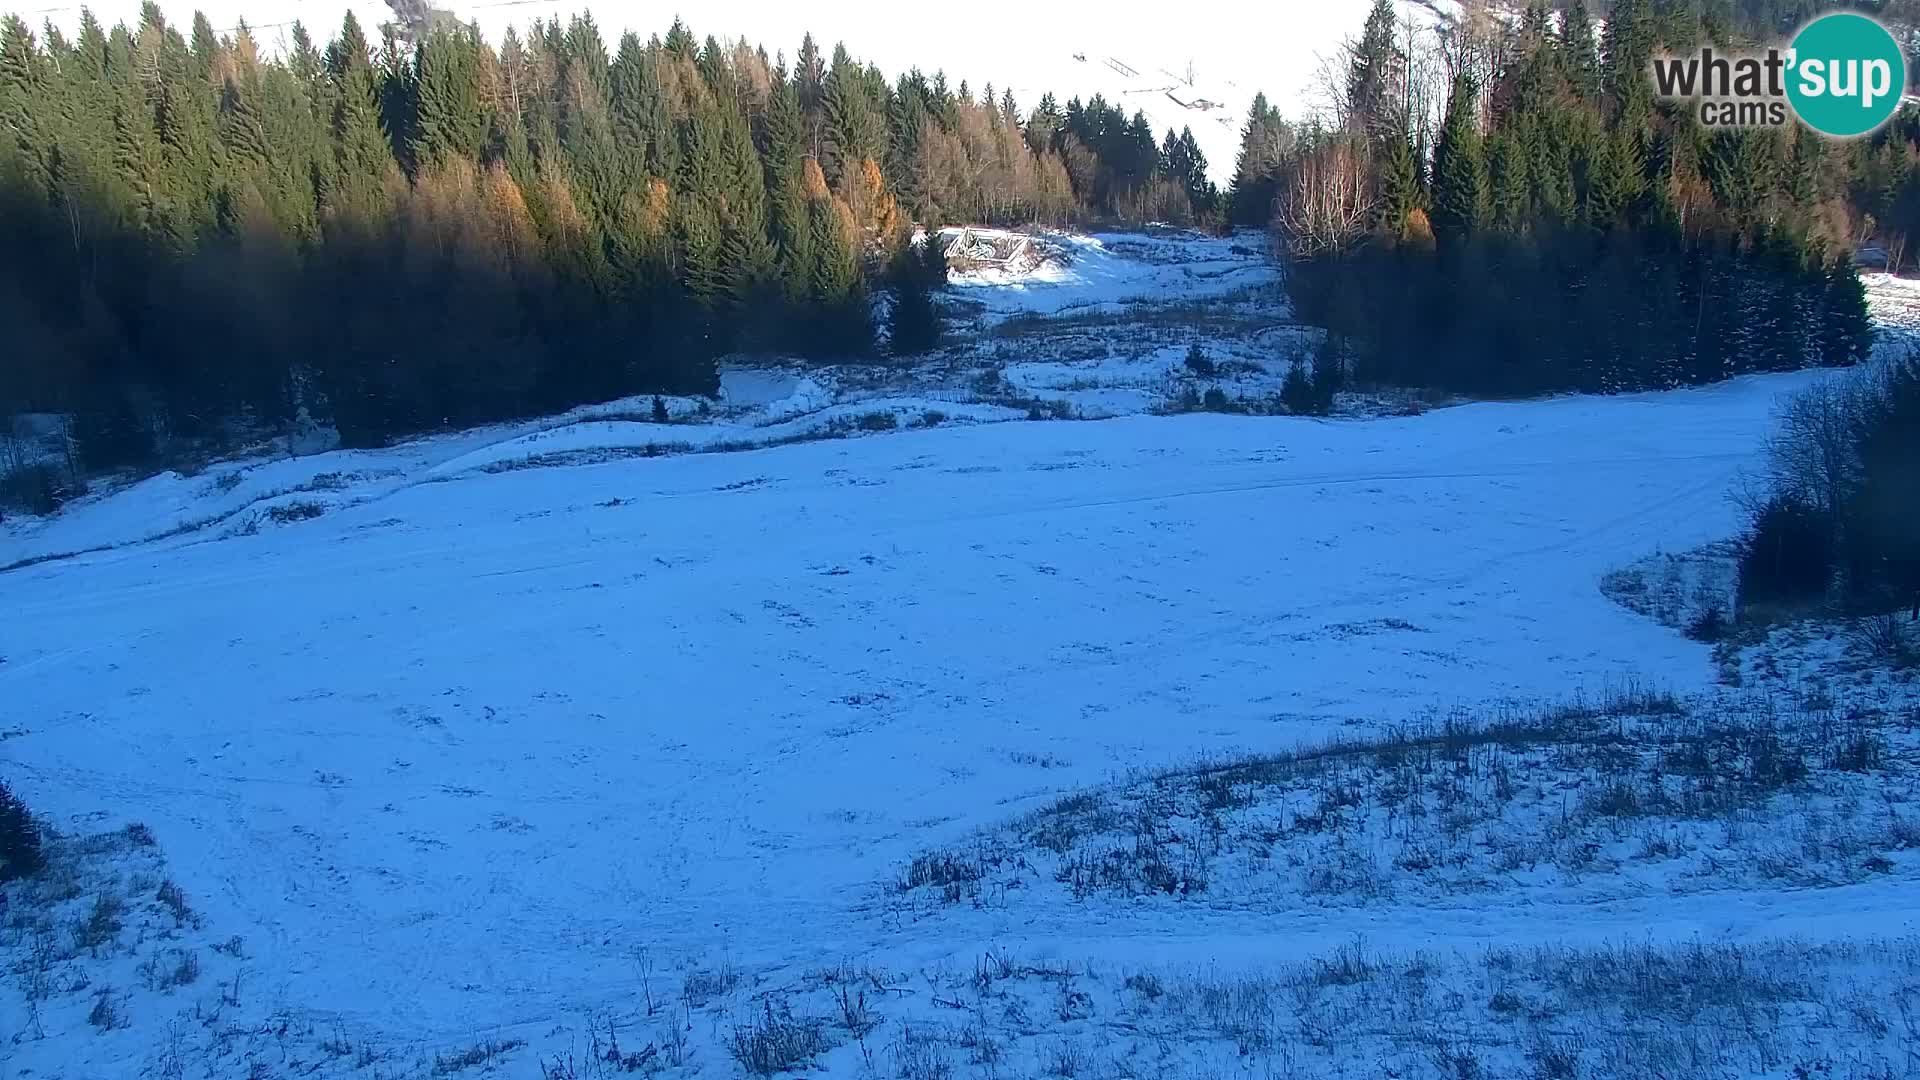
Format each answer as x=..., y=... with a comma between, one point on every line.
x=1375, y=70
x=447, y=119
x=1509, y=191
x=1401, y=188
x=1459, y=167
x=1579, y=52
x=1845, y=335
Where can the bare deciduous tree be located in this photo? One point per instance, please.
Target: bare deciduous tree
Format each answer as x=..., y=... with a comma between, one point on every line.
x=1329, y=201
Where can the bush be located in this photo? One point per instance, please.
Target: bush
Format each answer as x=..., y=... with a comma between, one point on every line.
x=1708, y=626
x=778, y=1042
x=1198, y=363
x=1789, y=556
x=1215, y=400
x=1303, y=395
x=878, y=420
x=660, y=413
x=37, y=489
x=21, y=854
x=1329, y=369
x=1841, y=519
x=914, y=324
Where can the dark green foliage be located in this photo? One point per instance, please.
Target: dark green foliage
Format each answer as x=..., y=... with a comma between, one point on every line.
x=1789, y=556
x=1308, y=389
x=1881, y=527
x=1583, y=237
x=1459, y=168
x=36, y=489
x=200, y=243
x=20, y=838
x=1375, y=73
x=914, y=320
x=1198, y=363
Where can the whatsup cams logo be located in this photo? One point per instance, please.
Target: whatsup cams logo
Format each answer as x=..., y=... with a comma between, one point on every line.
x=1843, y=75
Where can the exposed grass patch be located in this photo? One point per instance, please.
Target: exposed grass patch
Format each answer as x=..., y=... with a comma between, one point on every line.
x=481, y=1055
x=1707, y=794
x=1783, y=1008
x=777, y=1040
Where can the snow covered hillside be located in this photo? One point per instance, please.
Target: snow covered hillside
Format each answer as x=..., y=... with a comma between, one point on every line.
x=450, y=760
x=1158, y=745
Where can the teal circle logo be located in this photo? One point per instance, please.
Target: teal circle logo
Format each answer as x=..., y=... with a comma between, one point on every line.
x=1846, y=75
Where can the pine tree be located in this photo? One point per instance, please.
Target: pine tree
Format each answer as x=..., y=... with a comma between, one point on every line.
x=854, y=127
x=1375, y=71
x=1401, y=188
x=447, y=119
x=21, y=101
x=1845, y=334
x=1626, y=47
x=1509, y=191
x=21, y=853
x=1264, y=143
x=1459, y=167
x=206, y=47
x=1580, y=56
x=913, y=320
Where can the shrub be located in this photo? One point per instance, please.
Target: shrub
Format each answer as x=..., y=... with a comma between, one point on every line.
x=105, y=1014
x=102, y=923
x=20, y=838
x=37, y=489
x=1329, y=370
x=1215, y=400
x=1708, y=626
x=1789, y=556
x=933, y=418
x=1886, y=638
x=914, y=324
x=660, y=413
x=295, y=511
x=878, y=420
x=1198, y=363
x=778, y=1042
x=1301, y=395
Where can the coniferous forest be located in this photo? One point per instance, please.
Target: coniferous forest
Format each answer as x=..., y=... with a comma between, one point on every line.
x=416, y=228
x=422, y=229
x=1504, y=207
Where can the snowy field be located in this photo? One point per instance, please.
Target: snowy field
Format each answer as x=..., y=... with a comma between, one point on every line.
x=469, y=759
x=559, y=750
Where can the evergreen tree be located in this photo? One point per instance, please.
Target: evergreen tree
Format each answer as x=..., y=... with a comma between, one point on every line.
x=447, y=120
x=1580, y=55
x=1375, y=73
x=1459, y=167
x=1264, y=144
x=1402, y=190
x=914, y=318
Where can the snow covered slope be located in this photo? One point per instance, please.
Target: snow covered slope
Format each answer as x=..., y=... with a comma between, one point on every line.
x=462, y=760
x=498, y=746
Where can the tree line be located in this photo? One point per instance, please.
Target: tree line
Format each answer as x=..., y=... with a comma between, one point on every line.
x=1835, y=516
x=1502, y=206
x=418, y=229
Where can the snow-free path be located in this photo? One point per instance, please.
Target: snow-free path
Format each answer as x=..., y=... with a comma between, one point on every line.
x=449, y=757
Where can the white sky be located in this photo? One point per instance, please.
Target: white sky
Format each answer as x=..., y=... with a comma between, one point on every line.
x=1235, y=49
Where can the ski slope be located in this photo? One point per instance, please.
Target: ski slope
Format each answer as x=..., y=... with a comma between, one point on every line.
x=450, y=757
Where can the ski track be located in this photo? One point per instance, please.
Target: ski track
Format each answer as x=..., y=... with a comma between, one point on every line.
x=447, y=775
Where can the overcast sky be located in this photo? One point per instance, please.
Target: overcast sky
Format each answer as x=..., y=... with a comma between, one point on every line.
x=1234, y=50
